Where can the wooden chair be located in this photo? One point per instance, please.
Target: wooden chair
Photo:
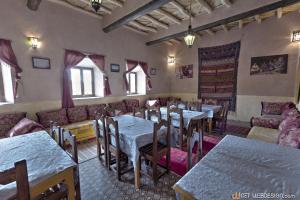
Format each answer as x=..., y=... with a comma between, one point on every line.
x=110, y=112
x=19, y=175
x=139, y=112
x=182, y=105
x=69, y=144
x=195, y=106
x=55, y=133
x=172, y=104
x=155, y=151
x=177, y=123
x=154, y=113
x=113, y=148
x=221, y=118
x=101, y=141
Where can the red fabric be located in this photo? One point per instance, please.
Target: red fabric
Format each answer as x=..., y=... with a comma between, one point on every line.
x=25, y=126
x=100, y=63
x=8, y=56
x=72, y=58
x=291, y=139
x=77, y=114
x=144, y=66
x=8, y=121
x=58, y=116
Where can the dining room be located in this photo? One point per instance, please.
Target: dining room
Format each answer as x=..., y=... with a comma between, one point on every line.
x=153, y=99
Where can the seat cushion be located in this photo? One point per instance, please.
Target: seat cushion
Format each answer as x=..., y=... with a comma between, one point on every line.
x=25, y=126
x=58, y=116
x=95, y=109
x=119, y=106
x=163, y=101
x=77, y=114
x=275, y=108
x=8, y=121
x=291, y=139
x=78, y=124
x=264, y=134
x=131, y=103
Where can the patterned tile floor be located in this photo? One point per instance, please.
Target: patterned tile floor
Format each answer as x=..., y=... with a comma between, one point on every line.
x=99, y=183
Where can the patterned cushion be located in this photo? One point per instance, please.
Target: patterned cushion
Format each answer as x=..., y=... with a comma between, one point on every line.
x=58, y=116
x=95, y=109
x=77, y=114
x=25, y=126
x=292, y=112
x=275, y=108
x=119, y=106
x=8, y=121
x=291, y=139
x=131, y=103
x=163, y=101
x=265, y=122
x=288, y=124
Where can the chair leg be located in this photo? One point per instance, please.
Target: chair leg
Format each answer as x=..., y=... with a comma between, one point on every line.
x=108, y=159
x=154, y=172
x=77, y=189
x=118, y=166
x=168, y=162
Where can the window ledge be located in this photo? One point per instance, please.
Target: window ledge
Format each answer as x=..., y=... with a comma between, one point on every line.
x=83, y=98
x=132, y=95
x=5, y=103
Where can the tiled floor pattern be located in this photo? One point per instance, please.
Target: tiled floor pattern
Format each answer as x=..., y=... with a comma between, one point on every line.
x=99, y=183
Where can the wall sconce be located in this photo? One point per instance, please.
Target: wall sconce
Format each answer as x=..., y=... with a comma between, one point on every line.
x=296, y=36
x=34, y=42
x=171, y=59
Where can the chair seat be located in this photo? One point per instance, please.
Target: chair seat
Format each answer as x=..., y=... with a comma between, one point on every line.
x=148, y=149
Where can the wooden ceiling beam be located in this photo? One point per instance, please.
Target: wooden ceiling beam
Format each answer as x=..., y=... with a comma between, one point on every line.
x=168, y=15
x=145, y=9
x=234, y=18
x=227, y=3
x=102, y=8
x=143, y=27
x=205, y=5
x=135, y=30
x=116, y=2
x=156, y=21
x=181, y=9
x=33, y=4
x=68, y=5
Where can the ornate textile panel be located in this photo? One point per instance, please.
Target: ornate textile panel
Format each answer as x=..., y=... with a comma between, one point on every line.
x=218, y=73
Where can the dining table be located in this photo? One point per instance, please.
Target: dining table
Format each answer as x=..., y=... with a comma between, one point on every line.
x=47, y=163
x=240, y=168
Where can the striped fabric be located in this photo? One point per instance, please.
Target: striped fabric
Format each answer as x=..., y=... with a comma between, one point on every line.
x=218, y=73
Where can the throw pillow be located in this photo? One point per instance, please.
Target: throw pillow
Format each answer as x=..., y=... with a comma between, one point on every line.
x=25, y=126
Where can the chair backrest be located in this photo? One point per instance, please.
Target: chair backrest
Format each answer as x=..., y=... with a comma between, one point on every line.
x=195, y=106
x=69, y=144
x=210, y=101
x=55, y=132
x=111, y=123
x=139, y=112
x=109, y=111
x=182, y=105
x=176, y=111
x=99, y=127
x=19, y=175
x=172, y=104
x=153, y=113
x=224, y=112
x=156, y=129
x=194, y=128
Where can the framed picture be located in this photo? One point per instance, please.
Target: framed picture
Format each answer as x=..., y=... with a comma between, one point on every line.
x=41, y=63
x=153, y=71
x=114, y=67
x=184, y=72
x=276, y=64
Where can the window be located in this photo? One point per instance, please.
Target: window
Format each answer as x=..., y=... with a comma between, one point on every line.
x=132, y=80
x=82, y=82
x=6, y=84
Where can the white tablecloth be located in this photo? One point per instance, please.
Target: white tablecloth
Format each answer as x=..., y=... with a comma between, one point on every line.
x=44, y=158
x=246, y=166
x=187, y=116
x=211, y=109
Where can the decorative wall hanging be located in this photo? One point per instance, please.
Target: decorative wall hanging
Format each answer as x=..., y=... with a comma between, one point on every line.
x=41, y=63
x=275, y=64
x=114, y=67
x=218, y=68
x=153, y=71
x=184, y=72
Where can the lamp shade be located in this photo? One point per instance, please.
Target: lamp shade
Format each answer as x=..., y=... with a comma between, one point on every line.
x=190, y=37
x=96, y=4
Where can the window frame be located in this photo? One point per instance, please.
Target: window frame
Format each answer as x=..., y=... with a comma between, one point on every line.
x=136, y=83
x=82, y=82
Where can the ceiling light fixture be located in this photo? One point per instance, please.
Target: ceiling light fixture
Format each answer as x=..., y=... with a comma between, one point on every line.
x=296, y=36
x=190, y=36
x=96, y=4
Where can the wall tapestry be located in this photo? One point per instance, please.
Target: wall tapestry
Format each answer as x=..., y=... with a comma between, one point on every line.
x=184, y=72
x=218, y=68
x=276, y=64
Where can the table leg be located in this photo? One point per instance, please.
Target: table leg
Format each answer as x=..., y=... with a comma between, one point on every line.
x=69, y=181
x=210, y=125
x=137, y=174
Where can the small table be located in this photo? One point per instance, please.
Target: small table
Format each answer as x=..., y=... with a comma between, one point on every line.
x=210, y=110
x=47, y=163
x=239, y=166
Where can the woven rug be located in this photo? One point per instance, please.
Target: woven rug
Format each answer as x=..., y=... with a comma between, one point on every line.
x=218, y=73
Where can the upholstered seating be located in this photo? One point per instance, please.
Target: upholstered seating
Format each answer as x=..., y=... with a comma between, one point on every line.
x=8, y=121
x=264, y=134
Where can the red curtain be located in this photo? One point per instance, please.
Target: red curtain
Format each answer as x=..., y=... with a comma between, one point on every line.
x=131, y=65
x=100, y=63
x=72, y=58
x=7, y=55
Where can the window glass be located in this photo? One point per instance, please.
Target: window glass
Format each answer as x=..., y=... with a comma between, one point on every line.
x=76, y=82
x=87, y=82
